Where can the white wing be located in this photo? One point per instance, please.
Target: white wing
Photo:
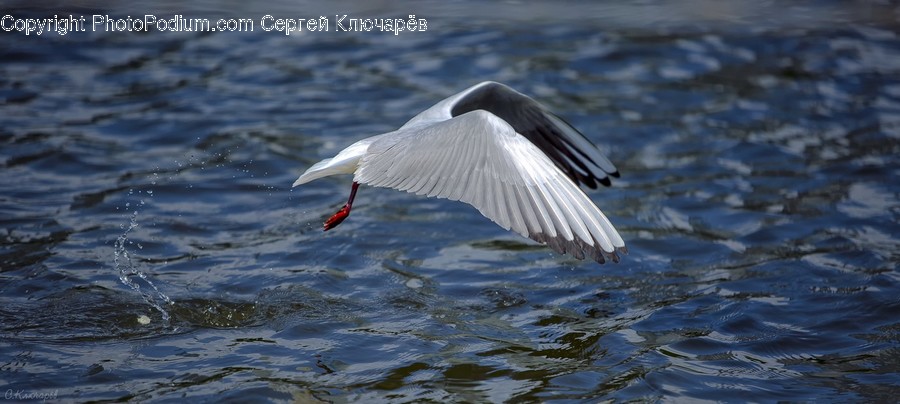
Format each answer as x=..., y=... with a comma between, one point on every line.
x=479, y=159
x=573, y=153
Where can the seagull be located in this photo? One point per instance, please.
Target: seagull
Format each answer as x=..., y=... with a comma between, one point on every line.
x=501, y=152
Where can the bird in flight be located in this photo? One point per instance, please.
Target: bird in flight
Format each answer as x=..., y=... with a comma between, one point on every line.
x=499, y=151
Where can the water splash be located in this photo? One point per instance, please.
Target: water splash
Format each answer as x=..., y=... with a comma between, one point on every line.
x=133, y=277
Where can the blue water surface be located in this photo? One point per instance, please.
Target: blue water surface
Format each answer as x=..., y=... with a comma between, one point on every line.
x=151, y=248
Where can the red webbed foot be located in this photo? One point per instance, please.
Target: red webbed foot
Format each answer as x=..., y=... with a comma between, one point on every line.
x=342, y=214
x=337, y=218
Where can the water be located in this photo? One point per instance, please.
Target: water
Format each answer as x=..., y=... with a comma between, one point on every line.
x=152, y=248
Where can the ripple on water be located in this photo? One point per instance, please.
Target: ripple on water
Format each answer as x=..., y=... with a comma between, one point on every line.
x=151, y=175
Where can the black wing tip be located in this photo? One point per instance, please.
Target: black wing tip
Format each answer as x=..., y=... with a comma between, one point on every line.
x=590, y=181
x=605, y=180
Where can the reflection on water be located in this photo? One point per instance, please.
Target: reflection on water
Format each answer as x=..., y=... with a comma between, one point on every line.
x=152, y=248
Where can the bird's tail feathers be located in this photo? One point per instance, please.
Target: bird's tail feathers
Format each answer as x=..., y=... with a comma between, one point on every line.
x=318, y=170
